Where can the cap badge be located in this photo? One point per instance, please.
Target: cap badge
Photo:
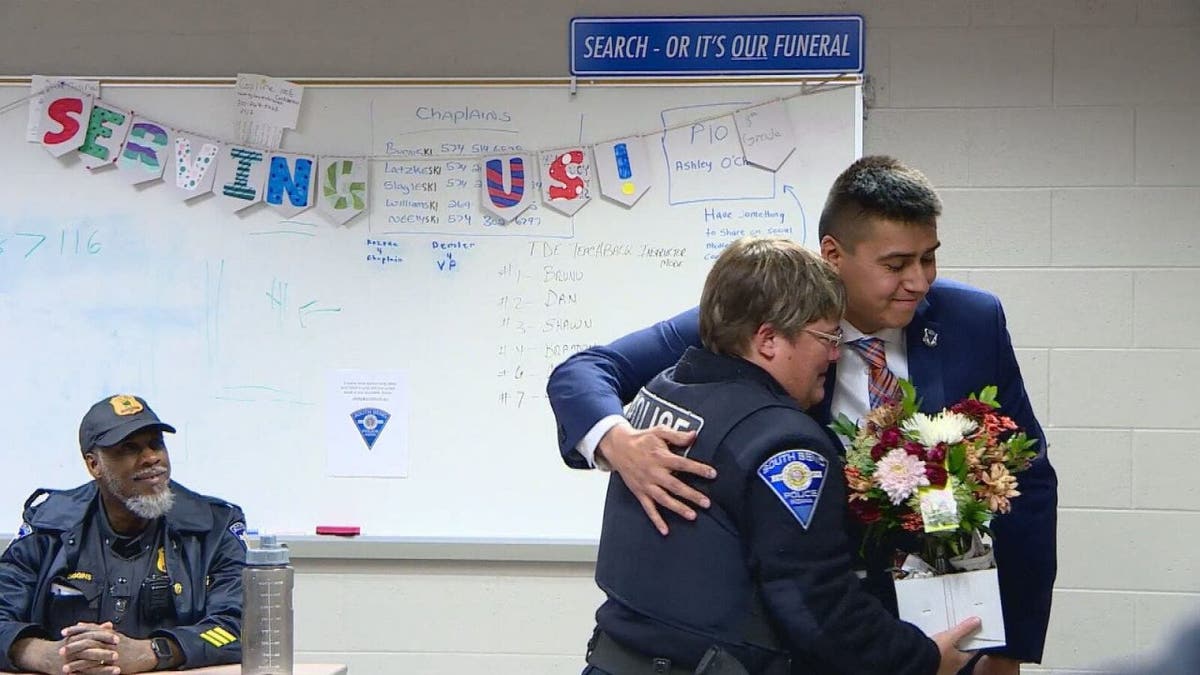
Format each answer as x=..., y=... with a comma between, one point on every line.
x=125, y=405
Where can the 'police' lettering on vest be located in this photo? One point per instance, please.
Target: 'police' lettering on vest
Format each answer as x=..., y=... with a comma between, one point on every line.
x=647, y=410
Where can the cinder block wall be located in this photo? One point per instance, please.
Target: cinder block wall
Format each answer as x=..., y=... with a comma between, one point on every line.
x=1065, y=137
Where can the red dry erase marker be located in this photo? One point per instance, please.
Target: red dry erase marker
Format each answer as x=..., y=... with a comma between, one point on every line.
x=338, y=530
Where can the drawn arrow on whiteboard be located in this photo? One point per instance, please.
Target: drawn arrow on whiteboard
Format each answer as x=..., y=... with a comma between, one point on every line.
x=803, y=221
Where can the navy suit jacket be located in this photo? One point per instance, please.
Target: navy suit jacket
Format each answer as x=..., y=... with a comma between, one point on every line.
x=968, y=348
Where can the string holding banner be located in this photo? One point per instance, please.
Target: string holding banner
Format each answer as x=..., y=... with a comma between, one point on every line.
x=241, y=174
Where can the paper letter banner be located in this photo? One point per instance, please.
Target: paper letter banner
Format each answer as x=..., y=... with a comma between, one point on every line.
x=343, y=193
x=37, y=104
x=241, y=174
x=566, y=179
x=766, y=134
x=106, y=131
x=290, y=183
x=505, y=191
x=193, y=165
x=623, y=169
x=146, y=151
x=64, y=120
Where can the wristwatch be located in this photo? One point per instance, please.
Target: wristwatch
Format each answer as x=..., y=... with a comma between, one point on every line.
x=162, y=651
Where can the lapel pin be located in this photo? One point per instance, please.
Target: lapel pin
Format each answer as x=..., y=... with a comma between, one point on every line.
x=930, y=338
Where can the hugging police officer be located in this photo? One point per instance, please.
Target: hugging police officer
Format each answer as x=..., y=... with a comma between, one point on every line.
x=761, y=581
x=128, y=573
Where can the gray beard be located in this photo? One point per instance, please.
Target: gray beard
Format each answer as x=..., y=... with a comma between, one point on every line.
x=148, y=507
x=153, y=506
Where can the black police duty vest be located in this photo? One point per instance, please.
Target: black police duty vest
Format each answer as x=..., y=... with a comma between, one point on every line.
x=676, y=596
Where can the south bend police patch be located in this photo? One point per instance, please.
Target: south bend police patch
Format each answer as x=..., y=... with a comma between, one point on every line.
x=24, y=531
x=796, y=477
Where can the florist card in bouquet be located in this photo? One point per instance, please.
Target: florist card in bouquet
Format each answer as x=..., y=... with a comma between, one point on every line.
x=930, y=486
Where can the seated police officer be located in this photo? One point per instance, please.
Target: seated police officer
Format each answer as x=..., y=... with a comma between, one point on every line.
x=760, y=582
x=128, y=573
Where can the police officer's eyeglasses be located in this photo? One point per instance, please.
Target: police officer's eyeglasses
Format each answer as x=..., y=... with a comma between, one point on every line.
x=833, y=340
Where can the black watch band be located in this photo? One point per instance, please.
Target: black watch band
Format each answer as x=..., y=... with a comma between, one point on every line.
x=162, y=651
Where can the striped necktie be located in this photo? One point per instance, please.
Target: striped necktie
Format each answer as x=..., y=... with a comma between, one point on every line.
x=882, y=383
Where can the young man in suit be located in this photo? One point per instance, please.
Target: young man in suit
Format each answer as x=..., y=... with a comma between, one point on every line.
x=879, y=231
x=775, y=593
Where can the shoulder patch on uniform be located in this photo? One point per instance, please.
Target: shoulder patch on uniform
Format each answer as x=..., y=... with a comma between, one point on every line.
x=24, y=531
x=796, y=477
x=238, y=529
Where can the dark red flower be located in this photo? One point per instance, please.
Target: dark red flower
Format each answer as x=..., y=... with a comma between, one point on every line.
x=878, y=452
x=865, y=512
x=912, y=522
x=936, y=473
x=891, y=437
x=972, y=408
x=937, y=453
x=915, y=449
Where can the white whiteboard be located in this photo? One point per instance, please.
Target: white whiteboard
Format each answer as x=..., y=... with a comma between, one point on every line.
x=130, y=290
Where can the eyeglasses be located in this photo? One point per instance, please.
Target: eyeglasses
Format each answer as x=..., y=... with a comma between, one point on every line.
x=833, y=340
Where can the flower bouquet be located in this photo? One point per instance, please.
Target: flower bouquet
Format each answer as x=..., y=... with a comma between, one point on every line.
x=939, y=479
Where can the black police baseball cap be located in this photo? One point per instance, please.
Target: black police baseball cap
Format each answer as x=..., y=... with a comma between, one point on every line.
x=114, y=419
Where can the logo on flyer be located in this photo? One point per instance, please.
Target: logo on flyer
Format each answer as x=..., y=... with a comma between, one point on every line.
x=370, y=423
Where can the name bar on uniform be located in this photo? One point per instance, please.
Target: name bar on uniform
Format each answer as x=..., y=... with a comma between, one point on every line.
x=719, y=45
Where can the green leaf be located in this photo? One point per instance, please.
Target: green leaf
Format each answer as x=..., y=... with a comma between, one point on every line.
x=844, y=426
x=909, y=403
x=956, y=459
x=987, y=395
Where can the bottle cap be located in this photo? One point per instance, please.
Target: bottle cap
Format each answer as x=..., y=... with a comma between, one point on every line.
x=269, y=552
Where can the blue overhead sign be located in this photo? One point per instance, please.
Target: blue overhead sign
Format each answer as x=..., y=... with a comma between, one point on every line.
x=720, y=45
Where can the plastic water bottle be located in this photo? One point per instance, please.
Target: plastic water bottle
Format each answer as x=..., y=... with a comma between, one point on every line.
x=267, y=582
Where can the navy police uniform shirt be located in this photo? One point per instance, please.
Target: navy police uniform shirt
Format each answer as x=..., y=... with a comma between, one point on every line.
x=61, y=570
x=107, y=586
x=767, y=568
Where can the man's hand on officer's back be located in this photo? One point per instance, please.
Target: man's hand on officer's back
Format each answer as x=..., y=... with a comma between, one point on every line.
x=645, y=462
x=87, y=643
x=947, y=643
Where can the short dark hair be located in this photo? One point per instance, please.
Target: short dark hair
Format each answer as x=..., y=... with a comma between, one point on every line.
x=877, y=186
x=765, y=280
